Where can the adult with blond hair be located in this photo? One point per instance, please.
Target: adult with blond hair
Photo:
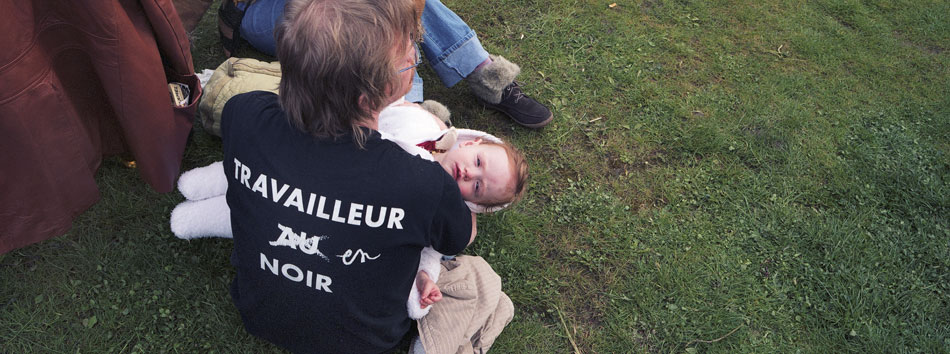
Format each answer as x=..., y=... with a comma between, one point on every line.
x=328, y=218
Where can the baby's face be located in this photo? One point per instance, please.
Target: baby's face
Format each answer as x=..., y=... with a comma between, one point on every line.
x=483, y=171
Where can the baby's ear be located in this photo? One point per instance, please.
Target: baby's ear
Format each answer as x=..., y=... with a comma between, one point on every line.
x=471, y=142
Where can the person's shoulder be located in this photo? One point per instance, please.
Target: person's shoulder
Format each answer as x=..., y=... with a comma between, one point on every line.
x=248, y=100
x=403, y=157
x=246, y=111
x=416, y=168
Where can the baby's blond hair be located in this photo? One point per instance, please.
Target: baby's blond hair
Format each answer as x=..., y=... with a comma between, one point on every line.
x=519, y=168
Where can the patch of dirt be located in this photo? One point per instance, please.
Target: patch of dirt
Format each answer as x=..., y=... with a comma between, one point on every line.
x=845, y=23
x=583, y=310
x=9, y=302
x=618, y=166
x=654, y=158
x=649, y=5
x=764, y=268
x=762, y=135
x=621, y=164
x=609, y=26
x=754, y=131
x=555, y=254
x=615, y=165
x=660, y=202
x=643, y=339
x=590, y=314
x=778, y=144
x=930, y=49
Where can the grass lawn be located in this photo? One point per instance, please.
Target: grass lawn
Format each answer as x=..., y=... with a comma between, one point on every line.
x=720, y=176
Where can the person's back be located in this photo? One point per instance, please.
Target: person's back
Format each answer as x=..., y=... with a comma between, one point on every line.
x=328, y=219
x=327, y=236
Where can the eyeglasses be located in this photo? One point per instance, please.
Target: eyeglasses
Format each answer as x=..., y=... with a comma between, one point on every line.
x=415, y=47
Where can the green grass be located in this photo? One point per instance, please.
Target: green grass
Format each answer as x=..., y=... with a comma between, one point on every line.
x=721, y=176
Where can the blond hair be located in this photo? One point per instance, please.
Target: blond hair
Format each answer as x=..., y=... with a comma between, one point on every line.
x=338, y=63
x=519, y=170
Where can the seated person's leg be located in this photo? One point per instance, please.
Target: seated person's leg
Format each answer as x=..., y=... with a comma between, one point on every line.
x=454, y=52
x=260, y=20
x=229, y=19
x=451, y=47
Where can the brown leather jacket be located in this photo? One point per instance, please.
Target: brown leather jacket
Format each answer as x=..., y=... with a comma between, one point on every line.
x=80, y=79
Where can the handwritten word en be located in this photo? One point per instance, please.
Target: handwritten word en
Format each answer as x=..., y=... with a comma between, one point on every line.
x=352, y=256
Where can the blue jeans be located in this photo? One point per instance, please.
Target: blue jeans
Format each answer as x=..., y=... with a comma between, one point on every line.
x=259, y=22
x=451, y=48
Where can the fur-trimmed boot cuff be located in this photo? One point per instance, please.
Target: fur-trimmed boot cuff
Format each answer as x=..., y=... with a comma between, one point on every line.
x=488, y=82
x=439, y=110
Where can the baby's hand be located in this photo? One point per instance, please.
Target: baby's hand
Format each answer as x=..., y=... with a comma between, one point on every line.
x=429, y=293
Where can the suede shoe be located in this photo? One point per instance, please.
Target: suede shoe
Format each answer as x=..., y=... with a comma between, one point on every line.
x=522, y=109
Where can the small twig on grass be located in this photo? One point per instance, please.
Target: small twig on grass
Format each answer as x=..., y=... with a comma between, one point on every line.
x=566, y=331
x=714, y=340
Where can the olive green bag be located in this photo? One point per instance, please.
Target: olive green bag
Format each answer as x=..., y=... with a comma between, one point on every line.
x=232, y=77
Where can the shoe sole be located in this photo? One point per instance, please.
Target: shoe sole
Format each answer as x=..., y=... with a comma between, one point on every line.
x=534, y=125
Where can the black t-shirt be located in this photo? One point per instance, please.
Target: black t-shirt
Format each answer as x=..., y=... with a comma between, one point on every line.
x=327, y=236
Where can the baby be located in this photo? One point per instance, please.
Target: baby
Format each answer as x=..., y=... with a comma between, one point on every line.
x=490, y=174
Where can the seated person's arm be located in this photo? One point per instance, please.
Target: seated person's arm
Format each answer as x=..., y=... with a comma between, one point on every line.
x=450, y=231
x=474, y=231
